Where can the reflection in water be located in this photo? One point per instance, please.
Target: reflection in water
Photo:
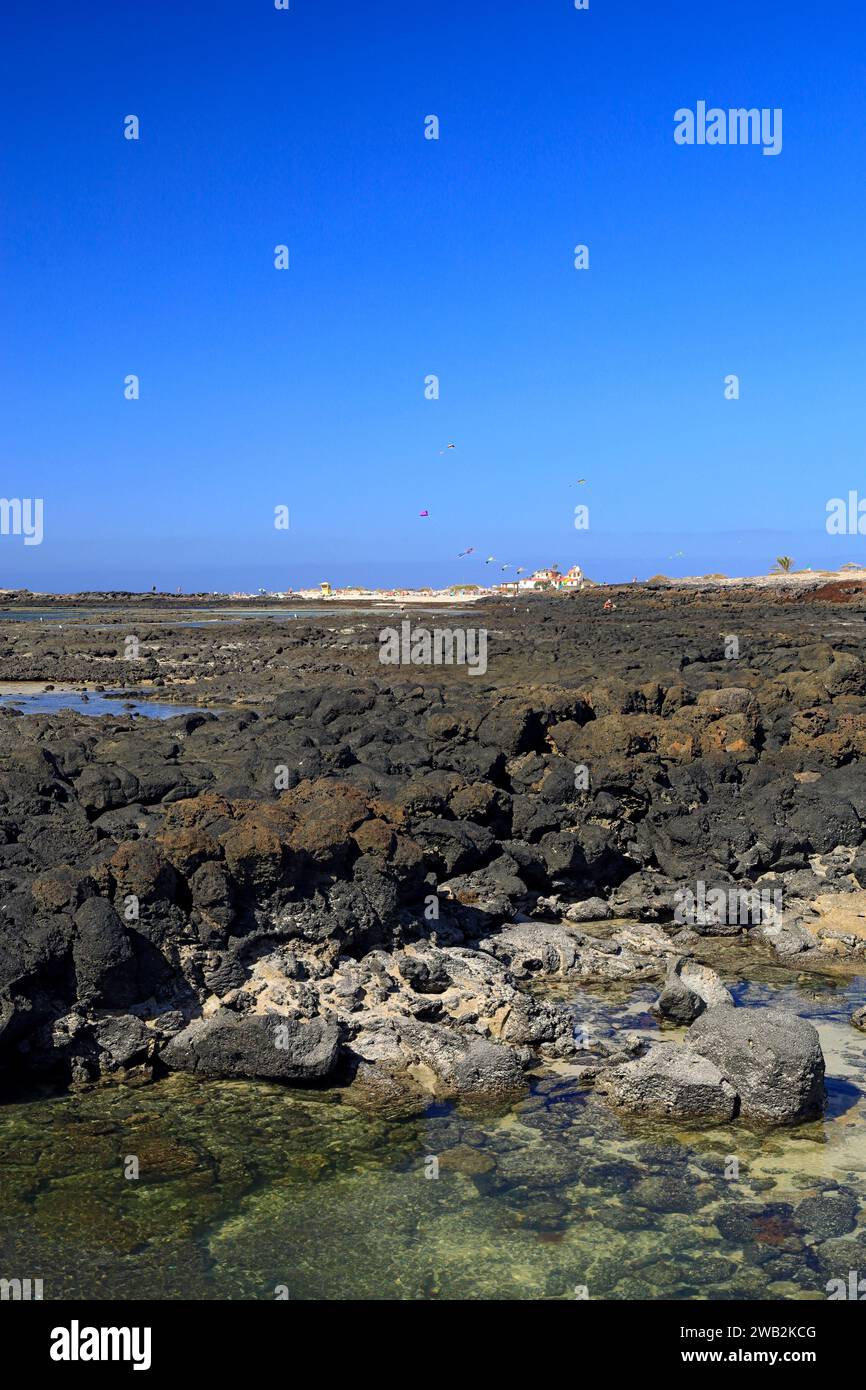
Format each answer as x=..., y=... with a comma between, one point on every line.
x=245, y=1187
x=95, y=705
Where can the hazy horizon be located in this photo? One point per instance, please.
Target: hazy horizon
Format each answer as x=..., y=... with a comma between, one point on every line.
x=732, y=557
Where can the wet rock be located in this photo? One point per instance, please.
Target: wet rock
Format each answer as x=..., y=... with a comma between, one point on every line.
x=787, y=938
x=468, y=1161
x=689, y=990
x=838, y=1258
x=663, y=1193
x=770, y=1227
x=391, y=1056
x=539, y=1212
x=830, y=1214
x=671, y=1083
x=772, y=1060
x=615, y=1175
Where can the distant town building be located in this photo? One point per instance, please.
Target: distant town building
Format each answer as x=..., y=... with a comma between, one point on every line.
x=553, y=578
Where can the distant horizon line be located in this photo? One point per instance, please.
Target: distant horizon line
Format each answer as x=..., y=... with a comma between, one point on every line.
x=309, y=592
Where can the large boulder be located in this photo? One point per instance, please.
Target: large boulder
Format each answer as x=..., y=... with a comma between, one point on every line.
x=258, y=1045
x=105, y=968
x=773, y=1060
x=670, y=1082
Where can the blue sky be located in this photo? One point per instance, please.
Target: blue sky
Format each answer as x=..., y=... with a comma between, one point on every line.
x=305, y=387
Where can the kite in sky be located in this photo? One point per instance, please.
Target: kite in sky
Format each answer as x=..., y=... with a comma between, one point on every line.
x=424, y=513
x=448, y=446
x=470, y=551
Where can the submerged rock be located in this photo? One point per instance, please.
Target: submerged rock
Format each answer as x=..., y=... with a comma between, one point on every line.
x=827, y=1215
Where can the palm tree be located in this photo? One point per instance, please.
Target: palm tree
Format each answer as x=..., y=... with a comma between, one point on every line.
x=784, y=563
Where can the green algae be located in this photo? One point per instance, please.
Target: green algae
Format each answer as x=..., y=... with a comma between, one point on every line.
x=249, y=1190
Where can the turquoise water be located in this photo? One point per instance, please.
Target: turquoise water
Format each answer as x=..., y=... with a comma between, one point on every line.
x=246, y=1189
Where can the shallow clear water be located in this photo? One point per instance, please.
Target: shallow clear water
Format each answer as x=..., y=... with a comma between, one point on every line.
x=53, y=701
x=247, y=1187
x=37, y=615
x=83, y=617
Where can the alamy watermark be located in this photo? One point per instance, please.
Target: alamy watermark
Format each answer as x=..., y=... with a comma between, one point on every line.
x=854, y=1289
x=420, y=646
x=77, y=1343
x=22, y=516
x=20, y=1290
x=846, y=516
x=736, y=126
x=744, y=907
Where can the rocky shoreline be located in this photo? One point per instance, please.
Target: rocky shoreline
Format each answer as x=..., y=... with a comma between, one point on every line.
x=360, y=875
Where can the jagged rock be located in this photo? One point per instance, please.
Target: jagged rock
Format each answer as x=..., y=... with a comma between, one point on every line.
x=105, y=967
x=787, y=938
x=262, y=1045
x=671, y=1083
x=422, y=813
x=123, y=1039
x=529, y=949
x=589, y=910
x=731, y=699
x=689, y=990
x=440, y=1061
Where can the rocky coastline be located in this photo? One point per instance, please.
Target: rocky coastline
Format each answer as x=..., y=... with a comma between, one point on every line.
x=340, y=873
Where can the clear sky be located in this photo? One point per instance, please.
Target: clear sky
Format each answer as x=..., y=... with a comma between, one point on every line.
x=409, y=257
